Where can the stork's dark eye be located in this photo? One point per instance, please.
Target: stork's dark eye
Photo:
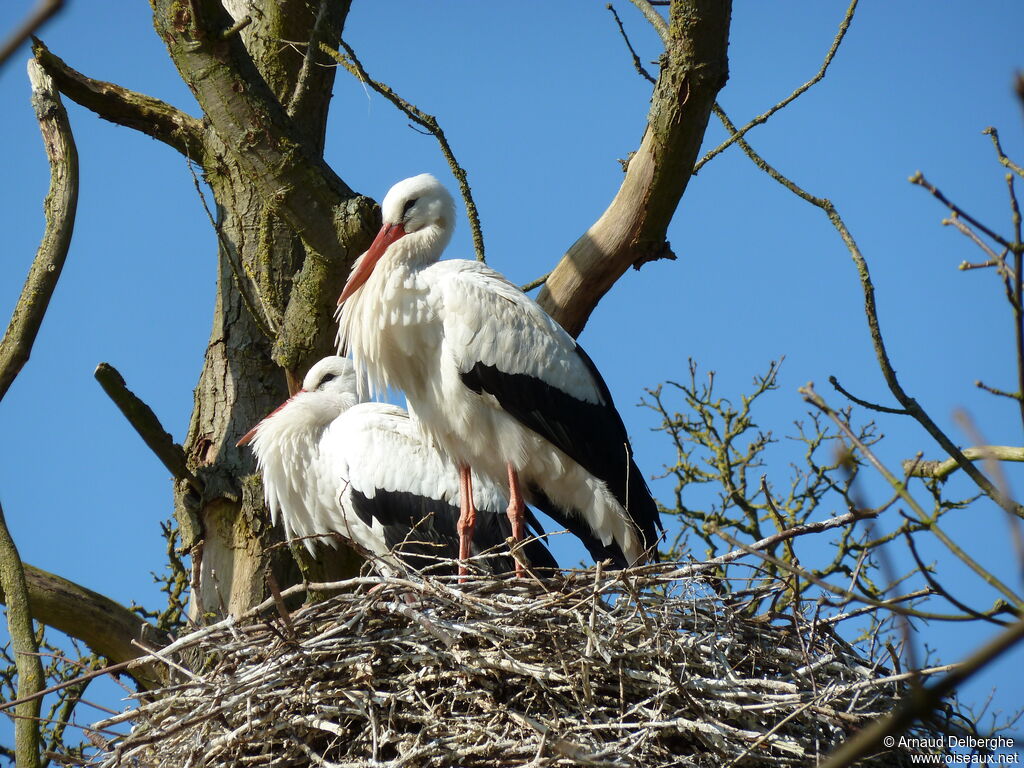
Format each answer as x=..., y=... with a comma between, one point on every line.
x=327, y=377
x=408, y=207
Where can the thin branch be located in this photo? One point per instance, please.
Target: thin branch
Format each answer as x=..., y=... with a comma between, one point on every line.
x=919, y=179
x=943, y=469
x=636, y=59
x=351, y=63
x=107, y=627
x=656, y=19
x=864, y=403
x=59, y=207
x=43, y=11
x=1003, y=159
x=119, y=105
x=534, y=283
x=874, y=327
x=938, y=589
x=897, y=485
x=146, y=424
x=844, y=27
x=23, y=641
x=770, y=541
x=920, y=703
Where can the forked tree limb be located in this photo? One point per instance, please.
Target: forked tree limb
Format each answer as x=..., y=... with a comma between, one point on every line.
x=59, y=207
x=122, y=106
x=632, y=230
x=334, y=222
x=107, y=627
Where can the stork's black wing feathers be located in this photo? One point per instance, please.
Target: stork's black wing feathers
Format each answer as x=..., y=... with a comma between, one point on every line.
x=592, y=434
x=421, y=531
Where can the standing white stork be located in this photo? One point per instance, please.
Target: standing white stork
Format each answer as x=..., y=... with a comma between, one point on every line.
x=499, y=386
x=366, y=471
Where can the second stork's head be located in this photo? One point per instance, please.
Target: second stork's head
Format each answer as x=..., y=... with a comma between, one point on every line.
x=418, y=221
x=328, y=390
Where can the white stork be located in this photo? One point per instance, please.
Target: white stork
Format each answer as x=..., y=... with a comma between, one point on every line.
x=499, y=386
x=365, y=470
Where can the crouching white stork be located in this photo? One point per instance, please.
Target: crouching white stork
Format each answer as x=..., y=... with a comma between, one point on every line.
x=498, y=384
x=366, y=471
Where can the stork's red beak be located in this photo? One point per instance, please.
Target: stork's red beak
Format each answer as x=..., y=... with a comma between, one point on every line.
x=248, y=436
x=388, y=234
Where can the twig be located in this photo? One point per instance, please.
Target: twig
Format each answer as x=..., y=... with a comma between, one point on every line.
x=919, y=179
x=874, y=327
x=59, y=207
x=351, y=63
x=636, y=59
x=986, y=575
x=23, y=641
x=534, y=283
x=864, y=403
x=43, y=11
x=921, y=703
x=770, y=541
x=938, y=589
x=146, y=424
x=656, y=20
x=1003, y=159
x=844, y=26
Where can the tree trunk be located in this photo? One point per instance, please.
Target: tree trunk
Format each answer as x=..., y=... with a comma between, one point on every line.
x=259, y=257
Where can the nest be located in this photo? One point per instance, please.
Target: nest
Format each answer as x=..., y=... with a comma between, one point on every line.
x=634, y=668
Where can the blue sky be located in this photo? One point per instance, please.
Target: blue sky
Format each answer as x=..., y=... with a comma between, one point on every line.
x=539, y=100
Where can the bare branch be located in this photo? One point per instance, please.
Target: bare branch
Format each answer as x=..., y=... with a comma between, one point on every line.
x=107, y=627
x=770, y=541
x=1003, y=159
x=897, y=485
x=128, y=108
x=943, y=469
x=43, y=11
x=656, y=19
x=23, y=641
x=355, y=68
x=864, y=403
x=59, y=208
x=874, y=328
x=844, y=27
x=631, y=231
x=920, y=703
x=919, y=179
x=636, y=59
x=148, y=426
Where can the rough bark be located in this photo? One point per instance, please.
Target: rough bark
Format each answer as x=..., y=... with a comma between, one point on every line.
x=260, y=146
x=269, y=180
x=59, y=208
x=107, y=627
x=631, y=232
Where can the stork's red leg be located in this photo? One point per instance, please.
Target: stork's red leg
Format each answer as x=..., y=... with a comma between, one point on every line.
x=467, y=517
x=516, y=514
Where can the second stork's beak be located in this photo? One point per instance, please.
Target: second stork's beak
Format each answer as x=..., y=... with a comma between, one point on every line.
x=363, y=267
x=248, y=436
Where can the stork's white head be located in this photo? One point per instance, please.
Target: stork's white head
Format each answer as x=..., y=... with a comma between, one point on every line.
x=327, y=391
x=419, y=218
